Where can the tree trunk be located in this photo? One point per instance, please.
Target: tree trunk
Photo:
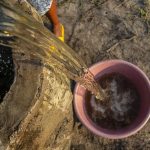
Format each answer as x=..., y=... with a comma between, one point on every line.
x=36, y=105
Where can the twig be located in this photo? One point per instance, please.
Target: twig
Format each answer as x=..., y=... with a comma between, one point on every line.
x=112, y=47
x=129, y=39
x=121, y=4
x=116, y=44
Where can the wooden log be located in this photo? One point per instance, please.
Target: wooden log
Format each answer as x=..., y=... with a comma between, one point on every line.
x=36, y=104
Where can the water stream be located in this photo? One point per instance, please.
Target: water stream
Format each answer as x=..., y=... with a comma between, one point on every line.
x=23, y=32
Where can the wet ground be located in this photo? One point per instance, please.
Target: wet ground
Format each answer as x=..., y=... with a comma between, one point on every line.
x=107, y=29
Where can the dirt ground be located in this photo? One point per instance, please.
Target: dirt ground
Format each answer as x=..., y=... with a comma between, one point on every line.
x=107, y=29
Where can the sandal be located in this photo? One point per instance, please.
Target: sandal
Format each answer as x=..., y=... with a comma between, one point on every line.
x=62, y=37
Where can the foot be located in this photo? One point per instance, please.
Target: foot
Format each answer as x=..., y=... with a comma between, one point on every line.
x=58, y=30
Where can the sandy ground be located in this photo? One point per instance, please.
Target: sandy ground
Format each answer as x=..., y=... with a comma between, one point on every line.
x=107, y=29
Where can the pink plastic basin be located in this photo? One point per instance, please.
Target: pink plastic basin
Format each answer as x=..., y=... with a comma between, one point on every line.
x=140, y=81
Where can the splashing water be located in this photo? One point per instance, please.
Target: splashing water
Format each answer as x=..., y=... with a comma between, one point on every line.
x=30, y=35
x=121, y=107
